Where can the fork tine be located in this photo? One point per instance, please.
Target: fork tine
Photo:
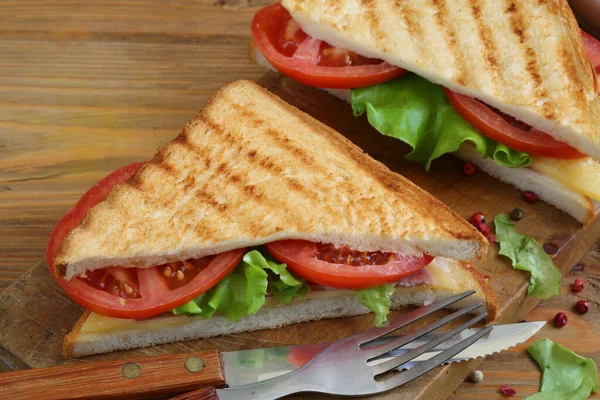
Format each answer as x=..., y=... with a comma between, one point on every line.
x=400, y=341
x=404, y=358
x=426, y=366
x=374, y=333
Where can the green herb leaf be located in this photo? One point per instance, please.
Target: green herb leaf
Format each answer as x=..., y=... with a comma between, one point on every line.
x=528, y=255
x=566, y=375
x=417, y=112
x=378, y=300
x=243, y=291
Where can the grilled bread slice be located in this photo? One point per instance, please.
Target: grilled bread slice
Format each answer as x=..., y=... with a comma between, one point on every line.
x=251, y=169
x=523, y=57
x=96, y=334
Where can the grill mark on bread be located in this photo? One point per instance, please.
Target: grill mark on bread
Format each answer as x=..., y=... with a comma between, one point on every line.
x=490, y=50
x=531, y=65
x=204, y=226
x=265, y=164
x=449, y=34
x=412, y=24
x=570, y=69
x=285, y=144
x=371, y=16
x=221, y=173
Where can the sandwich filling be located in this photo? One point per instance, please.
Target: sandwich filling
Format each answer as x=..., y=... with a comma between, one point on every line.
x=432, y=119
x=435, y=276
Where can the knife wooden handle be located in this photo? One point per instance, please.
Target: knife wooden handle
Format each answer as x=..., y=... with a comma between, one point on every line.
x=147, y=377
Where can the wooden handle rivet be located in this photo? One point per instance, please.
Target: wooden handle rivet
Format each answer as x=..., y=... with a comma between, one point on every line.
x=194, y=364
x=131, y=370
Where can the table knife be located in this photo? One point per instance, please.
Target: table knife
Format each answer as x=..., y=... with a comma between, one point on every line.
x=151, y=377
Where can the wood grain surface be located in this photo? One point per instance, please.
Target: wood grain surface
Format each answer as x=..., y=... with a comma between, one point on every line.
x=86, y=87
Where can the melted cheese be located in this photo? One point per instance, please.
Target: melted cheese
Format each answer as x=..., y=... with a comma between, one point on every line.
x=442, y=272
x=580, y=175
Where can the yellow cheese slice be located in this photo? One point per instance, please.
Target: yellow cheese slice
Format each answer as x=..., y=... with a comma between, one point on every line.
x=439, y=270
x=581, y=175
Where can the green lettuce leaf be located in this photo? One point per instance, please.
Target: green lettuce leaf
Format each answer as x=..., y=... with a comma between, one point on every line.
x=566, y=375
x=377, y=299
x=527, y=254
x=417, y=112
x=243, y=291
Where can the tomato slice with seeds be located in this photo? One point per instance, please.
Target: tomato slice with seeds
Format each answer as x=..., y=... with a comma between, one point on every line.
x=310, y=61
x=343, y=268
x=507, y=130
x=135, y=293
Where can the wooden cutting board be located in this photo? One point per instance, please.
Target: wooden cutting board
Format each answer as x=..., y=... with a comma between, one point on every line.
x=35, y=315
x=90, y=85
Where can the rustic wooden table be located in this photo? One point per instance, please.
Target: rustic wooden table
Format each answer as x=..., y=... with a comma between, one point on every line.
x=81, y=86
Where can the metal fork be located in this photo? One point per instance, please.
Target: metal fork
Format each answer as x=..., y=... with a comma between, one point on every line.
x=346, y=367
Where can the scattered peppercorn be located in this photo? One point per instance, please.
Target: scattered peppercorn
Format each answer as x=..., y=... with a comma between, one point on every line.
x=529, y=197
x=582, y=306
x=550, y=248
x=469, y=168
x=484, y=229
x=477, y=219
x=578, y=285
x=560, y=319
x=490, y=237
x=516, y=214
x=505, y=390
x=476, y=376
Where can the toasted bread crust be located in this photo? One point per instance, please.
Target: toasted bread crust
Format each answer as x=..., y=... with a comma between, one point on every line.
x=484, y=290
x=78, y=343
x=70, y=339
x=524, y=57
x=245, y=172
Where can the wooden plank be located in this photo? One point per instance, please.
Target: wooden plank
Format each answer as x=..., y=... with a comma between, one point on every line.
x=45, y=313
x=134, y=20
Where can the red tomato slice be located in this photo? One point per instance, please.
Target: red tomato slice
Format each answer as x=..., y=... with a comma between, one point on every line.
x=344, y=268
x=507, y=130
x=136, y=293
x=592, y=49
x=310, y=61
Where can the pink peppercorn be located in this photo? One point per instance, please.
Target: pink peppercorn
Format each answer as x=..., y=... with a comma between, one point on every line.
x=578, y=285
x=477, y=219
x=484, y=229
x=529, y=197
x=505, y=390
x=560, y=319
x=582, y=306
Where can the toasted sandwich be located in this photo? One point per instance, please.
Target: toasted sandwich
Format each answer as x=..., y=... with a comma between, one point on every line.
x=254, y=217
x=508, y=85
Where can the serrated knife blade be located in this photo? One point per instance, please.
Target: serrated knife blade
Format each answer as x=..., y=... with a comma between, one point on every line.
x=250, y=366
